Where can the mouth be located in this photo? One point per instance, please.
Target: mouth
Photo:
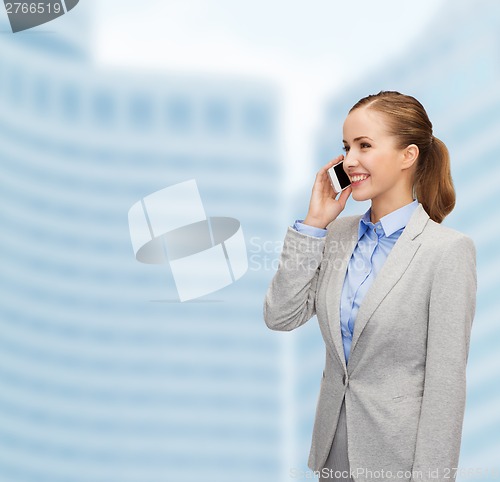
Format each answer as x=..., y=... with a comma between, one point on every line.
x=357, y=180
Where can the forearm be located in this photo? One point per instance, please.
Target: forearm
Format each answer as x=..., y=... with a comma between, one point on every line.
x=290, y=299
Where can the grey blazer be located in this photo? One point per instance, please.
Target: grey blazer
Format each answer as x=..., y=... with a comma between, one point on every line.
x=405, y=383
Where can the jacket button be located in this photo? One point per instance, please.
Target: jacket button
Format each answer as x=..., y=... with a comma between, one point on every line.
x=343, y=378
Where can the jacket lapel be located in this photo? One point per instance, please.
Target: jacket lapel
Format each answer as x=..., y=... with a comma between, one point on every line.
x=341, y=249
x=395, y=265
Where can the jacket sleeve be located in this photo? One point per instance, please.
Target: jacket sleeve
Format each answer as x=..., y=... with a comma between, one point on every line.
x=290, y=299
x=451, y=312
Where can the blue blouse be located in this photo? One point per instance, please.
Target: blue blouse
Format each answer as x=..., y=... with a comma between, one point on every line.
x=375, y=242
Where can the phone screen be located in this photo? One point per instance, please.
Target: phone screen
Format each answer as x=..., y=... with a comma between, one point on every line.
x=342, y=176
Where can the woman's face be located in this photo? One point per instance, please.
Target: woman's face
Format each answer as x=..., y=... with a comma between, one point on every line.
x=372, y=161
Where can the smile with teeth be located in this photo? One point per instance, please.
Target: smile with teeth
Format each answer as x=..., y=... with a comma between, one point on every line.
x=358, y=179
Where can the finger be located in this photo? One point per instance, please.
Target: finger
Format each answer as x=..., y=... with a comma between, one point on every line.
x=328, y=187
x=337, y=159
x=323, y=180
x=331, y=163
x=344, y=196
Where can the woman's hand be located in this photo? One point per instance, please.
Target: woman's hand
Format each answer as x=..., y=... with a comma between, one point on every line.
x=323, y=207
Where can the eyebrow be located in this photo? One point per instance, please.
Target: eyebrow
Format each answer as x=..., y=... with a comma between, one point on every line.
x=359, y=138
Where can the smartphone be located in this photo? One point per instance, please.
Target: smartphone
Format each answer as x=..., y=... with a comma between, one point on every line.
x=340, y=180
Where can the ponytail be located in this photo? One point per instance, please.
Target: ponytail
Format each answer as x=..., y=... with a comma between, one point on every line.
x=408, y=123
x=433, y=183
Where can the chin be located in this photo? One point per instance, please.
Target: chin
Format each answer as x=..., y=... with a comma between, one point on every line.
x=358, y=196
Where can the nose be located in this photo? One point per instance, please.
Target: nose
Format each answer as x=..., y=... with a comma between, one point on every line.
x=350, y=161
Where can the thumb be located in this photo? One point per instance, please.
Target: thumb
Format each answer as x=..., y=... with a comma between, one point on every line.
x=344, y=195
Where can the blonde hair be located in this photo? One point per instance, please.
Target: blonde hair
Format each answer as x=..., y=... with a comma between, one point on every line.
x=408, y=123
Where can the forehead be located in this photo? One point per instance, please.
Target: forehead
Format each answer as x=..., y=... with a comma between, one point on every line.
x=364, y=122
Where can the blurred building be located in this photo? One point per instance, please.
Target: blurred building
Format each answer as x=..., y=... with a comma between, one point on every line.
x=104, y=375
x=454, y=70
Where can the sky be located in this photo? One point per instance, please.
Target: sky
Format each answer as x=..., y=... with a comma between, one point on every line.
x=309, y=50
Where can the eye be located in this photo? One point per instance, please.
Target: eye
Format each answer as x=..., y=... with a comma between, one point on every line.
x=346, y=148
x=365, y=145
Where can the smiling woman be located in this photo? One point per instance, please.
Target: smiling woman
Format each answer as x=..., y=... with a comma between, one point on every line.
x=394, y=292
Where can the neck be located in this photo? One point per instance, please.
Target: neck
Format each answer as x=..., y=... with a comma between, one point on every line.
x=381, y=208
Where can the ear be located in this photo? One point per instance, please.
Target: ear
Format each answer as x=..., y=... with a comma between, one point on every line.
x=410, y=156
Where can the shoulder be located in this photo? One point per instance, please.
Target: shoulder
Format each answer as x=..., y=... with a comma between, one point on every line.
x=445, y=239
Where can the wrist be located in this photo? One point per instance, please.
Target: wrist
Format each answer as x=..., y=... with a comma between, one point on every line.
x=316, y=223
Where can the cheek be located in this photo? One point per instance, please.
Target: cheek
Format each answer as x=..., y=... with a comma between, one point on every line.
x=373, y=164
x=381, y=167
